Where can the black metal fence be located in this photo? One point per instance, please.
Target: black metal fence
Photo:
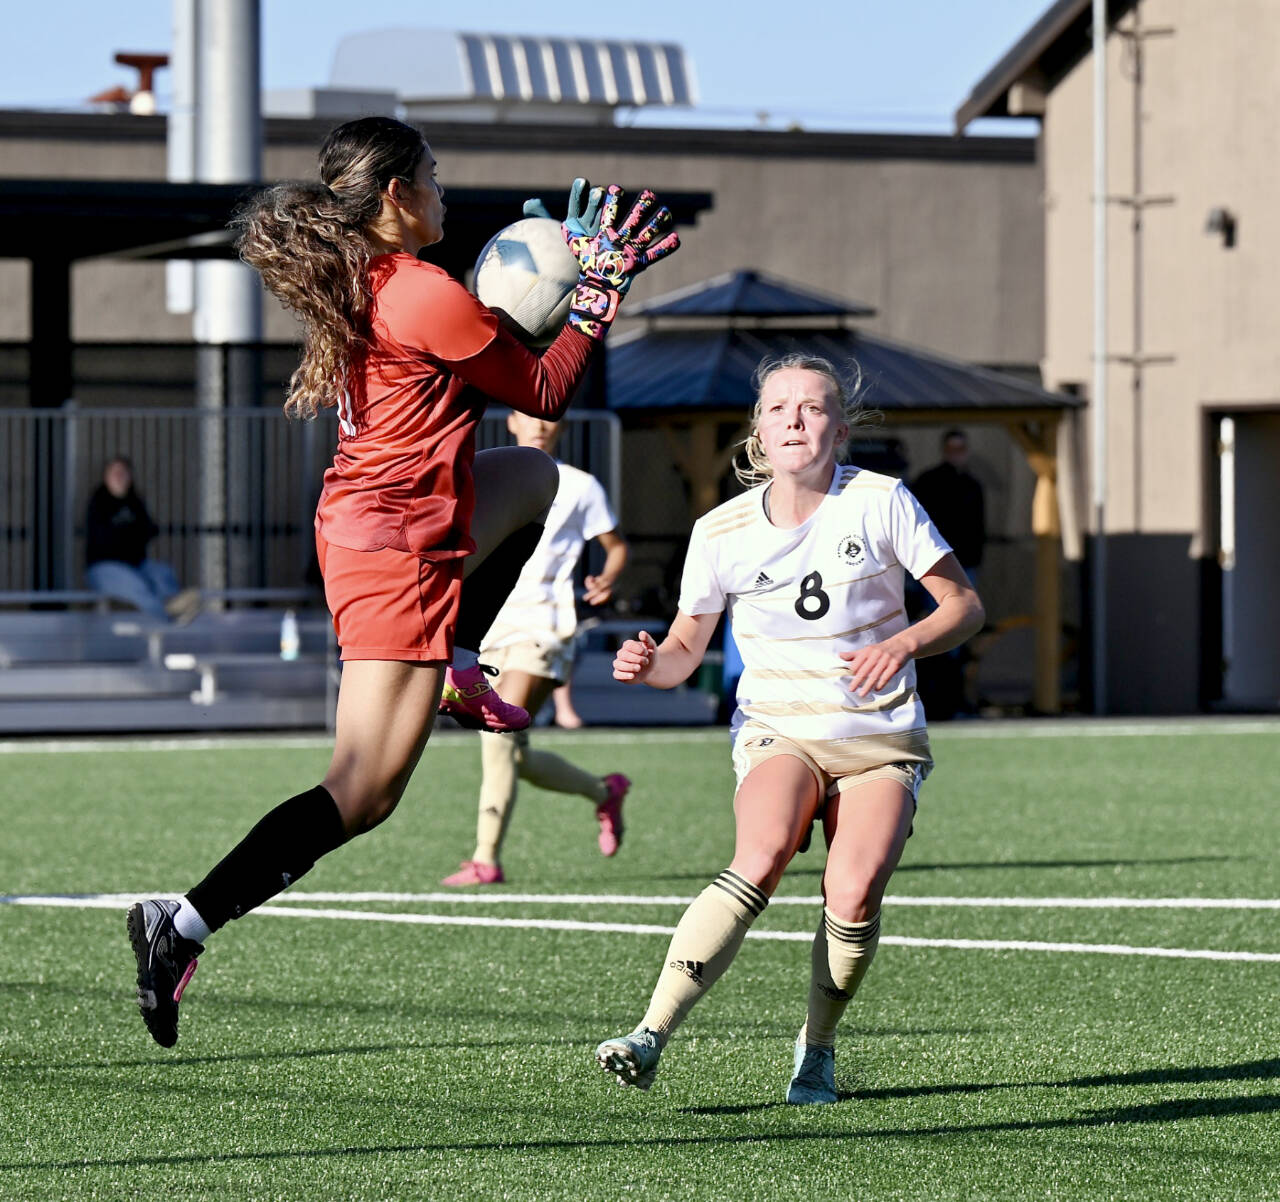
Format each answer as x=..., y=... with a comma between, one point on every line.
x=233, y=491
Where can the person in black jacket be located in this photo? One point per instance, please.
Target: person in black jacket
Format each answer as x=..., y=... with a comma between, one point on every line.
x=118, y=529
x=953, y=498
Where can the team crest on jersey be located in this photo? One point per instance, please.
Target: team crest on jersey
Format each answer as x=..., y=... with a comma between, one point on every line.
x=851, y=550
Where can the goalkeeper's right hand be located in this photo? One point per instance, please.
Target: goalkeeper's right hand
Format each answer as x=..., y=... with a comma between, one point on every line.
x=610, y=259
x=582, y=218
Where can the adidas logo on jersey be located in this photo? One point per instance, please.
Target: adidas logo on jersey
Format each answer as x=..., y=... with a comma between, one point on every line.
x=762, y=581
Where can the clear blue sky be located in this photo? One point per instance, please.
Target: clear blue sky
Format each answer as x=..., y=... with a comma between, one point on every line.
x=843, y=64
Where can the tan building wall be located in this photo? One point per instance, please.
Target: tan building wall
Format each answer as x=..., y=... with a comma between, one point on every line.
x=944, y=237
x=944, y=241
x=1208, y=139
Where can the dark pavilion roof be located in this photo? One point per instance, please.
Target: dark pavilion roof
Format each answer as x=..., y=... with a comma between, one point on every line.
x=748, y=294
x=155, y=219
x=711, y=366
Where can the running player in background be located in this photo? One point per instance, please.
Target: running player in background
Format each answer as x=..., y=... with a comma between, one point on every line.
x=410, y=359
x=531, y=643
x=810, y=565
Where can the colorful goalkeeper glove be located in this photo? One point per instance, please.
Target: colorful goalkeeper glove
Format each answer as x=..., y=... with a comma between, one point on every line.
x=583, y=217
x=612, y=258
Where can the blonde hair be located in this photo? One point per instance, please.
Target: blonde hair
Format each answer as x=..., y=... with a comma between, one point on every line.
x=752, y=465
x=308, y=242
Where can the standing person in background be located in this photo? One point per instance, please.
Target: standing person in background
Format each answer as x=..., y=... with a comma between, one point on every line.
x=953, y=498
x=118, y=529
x=410, y=359
x=531, y=643
x=810, y=565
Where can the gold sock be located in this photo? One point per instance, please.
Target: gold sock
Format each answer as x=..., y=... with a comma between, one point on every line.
x=703, y=946
x=500, y=761
x=550, y=771
x=842, y=953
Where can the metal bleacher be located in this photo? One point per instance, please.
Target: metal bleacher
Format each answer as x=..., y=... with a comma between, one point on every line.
x=70, y=662
x=74, y=664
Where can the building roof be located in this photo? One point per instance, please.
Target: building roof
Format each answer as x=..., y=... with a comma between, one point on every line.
x=71, y=219
x=748, y=293
x=711, y=365
x=17, y=125
x=1058, y=40
x=705, y=369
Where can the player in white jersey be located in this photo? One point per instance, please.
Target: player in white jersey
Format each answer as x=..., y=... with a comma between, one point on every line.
x=531, y=645
x=810, y=565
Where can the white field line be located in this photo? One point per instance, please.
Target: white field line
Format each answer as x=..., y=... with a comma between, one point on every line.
x=117, y=901
x=641, y=899
x=1007, y=728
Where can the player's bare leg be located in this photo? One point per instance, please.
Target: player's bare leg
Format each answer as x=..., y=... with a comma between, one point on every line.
x=385, y=713
x=567, y=716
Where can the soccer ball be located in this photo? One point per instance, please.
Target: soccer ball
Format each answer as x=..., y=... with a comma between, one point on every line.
x=527, y=274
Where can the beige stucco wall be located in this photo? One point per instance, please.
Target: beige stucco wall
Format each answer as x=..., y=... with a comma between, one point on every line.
x=1210, y=139
x=948, y=251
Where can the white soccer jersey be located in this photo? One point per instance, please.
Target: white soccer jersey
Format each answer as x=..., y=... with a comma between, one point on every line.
x=541, y=604
x=797, y=598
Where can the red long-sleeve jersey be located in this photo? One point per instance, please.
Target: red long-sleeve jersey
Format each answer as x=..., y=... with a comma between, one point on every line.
x=401, y=477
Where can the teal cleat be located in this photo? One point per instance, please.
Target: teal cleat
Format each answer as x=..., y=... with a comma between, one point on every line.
x=814, y=1080
x=633, y=1058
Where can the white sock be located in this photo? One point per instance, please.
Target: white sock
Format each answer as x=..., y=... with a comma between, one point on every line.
x=189, y=924
x=464, y=659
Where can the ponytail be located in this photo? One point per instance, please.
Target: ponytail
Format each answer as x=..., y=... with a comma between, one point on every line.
x=308, y=242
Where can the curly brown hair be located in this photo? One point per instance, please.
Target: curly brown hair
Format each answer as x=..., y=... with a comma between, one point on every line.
x=308, y=242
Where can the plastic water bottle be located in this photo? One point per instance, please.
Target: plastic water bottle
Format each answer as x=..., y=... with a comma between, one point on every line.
x=289, y=639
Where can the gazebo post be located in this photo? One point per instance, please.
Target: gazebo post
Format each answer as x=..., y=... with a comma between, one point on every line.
x=1038, y=441
x=693, y=445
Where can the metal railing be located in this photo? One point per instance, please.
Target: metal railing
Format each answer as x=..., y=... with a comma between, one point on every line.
x=233, y=491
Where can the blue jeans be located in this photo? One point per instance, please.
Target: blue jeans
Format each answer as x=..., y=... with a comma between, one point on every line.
x=146, y=587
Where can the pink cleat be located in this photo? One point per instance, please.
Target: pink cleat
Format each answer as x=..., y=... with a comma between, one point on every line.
x=609, y=813
x=470, y=702
x=473, y=872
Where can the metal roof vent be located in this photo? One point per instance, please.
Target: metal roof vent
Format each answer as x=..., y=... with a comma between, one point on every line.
x=510, y=77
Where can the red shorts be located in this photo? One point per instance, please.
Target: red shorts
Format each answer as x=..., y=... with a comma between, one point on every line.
x=390, y=604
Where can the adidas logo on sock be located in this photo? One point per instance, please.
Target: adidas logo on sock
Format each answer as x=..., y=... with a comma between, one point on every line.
x=762, y=581
x=691, y=969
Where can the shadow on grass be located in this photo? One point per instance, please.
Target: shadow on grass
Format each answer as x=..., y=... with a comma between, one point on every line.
x=1249, y=1070
x=800, y=868
x=20, y=1070
x=1173, y=1110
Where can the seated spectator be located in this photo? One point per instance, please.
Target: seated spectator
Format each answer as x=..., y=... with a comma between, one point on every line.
x=118, y=529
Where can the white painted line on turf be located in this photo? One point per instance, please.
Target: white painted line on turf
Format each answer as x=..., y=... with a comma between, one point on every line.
x=1001, y=728
x=451, y=740
x=623, y=899
x=1103, y=728
x=626, y=899
x=114, y=901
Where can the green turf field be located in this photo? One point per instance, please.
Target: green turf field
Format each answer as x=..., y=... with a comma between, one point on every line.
x=357, y=1052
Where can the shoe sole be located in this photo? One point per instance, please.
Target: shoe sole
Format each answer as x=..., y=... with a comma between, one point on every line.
x=619, y=1059
x=809, y=1099
x=468, y=721
x=165, y=1033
